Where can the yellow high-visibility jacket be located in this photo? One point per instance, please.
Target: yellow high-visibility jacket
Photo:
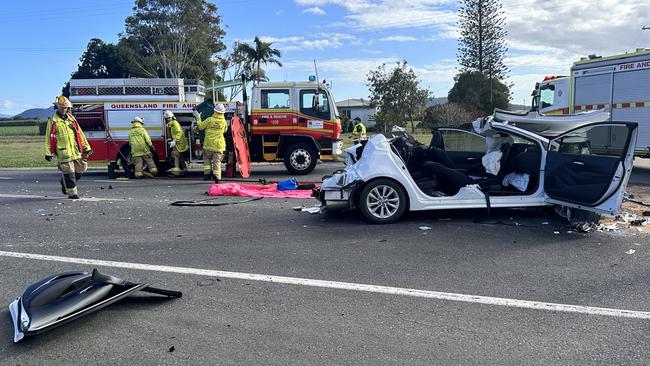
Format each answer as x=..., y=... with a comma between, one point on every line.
x=359, y=132
x=215, y=127
x=176, y=132
x=65, y=139
x=139, y=140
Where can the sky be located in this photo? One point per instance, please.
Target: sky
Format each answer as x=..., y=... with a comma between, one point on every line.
x=347, y=38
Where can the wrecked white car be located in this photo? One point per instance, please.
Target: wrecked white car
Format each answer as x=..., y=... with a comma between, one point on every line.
x=496, y=164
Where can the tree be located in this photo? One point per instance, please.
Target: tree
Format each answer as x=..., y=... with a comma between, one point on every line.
x=101, y=60
x=446, y=115
x=174, y=38
x=482, y=45
x=473, y=89
x=398, y=95
x=231, y=67
x=256, y=55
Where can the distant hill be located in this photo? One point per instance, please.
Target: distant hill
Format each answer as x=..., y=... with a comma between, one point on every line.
x=41, y=113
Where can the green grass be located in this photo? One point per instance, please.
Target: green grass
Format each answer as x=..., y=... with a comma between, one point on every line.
x=18, y=130
x=22, y=152
x=25, y=152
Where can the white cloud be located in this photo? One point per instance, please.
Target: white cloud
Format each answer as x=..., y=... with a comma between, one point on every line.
x=320, y=41
x=314, y=10
x=370, y=15
x=398, y=39
x=12, y=107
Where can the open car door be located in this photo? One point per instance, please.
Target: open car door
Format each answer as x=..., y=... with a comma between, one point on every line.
x=583, y=173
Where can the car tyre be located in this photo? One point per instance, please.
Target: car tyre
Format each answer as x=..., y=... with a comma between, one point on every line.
x=300, y=159
x=382, y=201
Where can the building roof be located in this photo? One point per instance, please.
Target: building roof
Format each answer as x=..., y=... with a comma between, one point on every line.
x=354, y=103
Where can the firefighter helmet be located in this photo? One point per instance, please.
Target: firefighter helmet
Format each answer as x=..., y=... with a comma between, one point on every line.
x=62, y=102
x=138, y=119
x=219, y=108
x=168, y=114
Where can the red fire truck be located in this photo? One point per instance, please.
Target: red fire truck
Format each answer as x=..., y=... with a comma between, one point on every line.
x=293, y=122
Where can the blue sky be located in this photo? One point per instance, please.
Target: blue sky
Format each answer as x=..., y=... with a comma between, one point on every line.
x=346, y=37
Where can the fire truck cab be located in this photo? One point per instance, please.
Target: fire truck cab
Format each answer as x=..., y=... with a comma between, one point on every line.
x=292, y=122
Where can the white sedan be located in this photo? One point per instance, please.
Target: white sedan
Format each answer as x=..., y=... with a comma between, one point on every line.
x=576, y=165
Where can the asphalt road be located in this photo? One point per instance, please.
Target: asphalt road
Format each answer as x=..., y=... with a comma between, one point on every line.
x=522, y=255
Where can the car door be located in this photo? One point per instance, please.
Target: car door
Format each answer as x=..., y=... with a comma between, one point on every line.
x=588, y=176
x=464, y=148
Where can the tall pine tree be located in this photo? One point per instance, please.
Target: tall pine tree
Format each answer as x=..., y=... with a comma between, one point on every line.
x=482, y=45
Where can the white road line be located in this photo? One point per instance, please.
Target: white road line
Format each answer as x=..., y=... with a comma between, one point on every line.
x=6, y=178
x=31, y=196
x=472, y=299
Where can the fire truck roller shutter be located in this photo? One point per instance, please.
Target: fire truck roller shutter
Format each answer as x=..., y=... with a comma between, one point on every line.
x=119, y=122
x=632, y=87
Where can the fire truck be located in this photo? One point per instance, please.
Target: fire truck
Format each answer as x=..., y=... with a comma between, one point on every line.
x=293, y=122
x=617, y=84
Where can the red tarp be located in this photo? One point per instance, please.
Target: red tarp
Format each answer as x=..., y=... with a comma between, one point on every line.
x=253, y=190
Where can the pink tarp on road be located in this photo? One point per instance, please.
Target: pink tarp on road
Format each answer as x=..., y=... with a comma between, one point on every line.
x=254, y=190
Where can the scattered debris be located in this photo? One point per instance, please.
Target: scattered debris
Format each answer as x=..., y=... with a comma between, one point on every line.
x=646, y=213
x=556, y=232
x=631, y=251
x=297, y=208
x=545, y=223
x=424, y=228
x=312, y=210
x=382, y=240
x=172, y=349
x=110, y=187
x=608, y=227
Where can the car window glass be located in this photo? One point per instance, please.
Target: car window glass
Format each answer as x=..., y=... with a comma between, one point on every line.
x=306, y=104
x=275, y=99
x=607, y=140
x=456, y=140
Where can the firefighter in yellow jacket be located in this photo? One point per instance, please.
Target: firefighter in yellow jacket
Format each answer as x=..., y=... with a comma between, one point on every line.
x=65, y=140
x=141, y=148
x=177, y=144
x=214, y=143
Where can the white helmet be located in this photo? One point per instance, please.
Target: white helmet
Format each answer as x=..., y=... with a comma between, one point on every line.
x=138, y=119
x=219, y=108
x=168, y=114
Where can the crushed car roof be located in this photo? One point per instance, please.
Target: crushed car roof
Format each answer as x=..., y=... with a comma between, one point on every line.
x=549, y=125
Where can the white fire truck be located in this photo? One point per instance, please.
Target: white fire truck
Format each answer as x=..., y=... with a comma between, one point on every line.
x=292, y=122
x=619, y=84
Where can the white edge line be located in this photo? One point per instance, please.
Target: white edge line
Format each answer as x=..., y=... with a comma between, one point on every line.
x=475, y=299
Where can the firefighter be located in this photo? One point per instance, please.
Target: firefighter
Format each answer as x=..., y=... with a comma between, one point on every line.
x=358, y=131
x=65, y=140
x=177, y=144
x=214, y=143
x=141, y=148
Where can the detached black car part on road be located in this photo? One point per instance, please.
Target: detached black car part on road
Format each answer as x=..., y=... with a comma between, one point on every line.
x=63, y=297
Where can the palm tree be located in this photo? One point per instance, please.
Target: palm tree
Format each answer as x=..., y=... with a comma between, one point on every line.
x=262, y=53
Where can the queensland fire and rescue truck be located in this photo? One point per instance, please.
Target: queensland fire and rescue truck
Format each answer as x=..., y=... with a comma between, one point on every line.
x=293, y=122
x=619, y=84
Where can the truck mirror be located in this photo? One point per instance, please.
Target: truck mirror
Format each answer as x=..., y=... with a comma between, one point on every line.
x=314, y=102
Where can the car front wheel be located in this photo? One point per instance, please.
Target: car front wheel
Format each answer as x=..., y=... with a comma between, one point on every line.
x=382, y=201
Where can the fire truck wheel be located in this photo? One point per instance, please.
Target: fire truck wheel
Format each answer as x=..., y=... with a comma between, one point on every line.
x=126, y=163
x=300, y=159
x=112, y=170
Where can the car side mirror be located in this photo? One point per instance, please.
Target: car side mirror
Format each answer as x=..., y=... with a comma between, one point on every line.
x=314, y=102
